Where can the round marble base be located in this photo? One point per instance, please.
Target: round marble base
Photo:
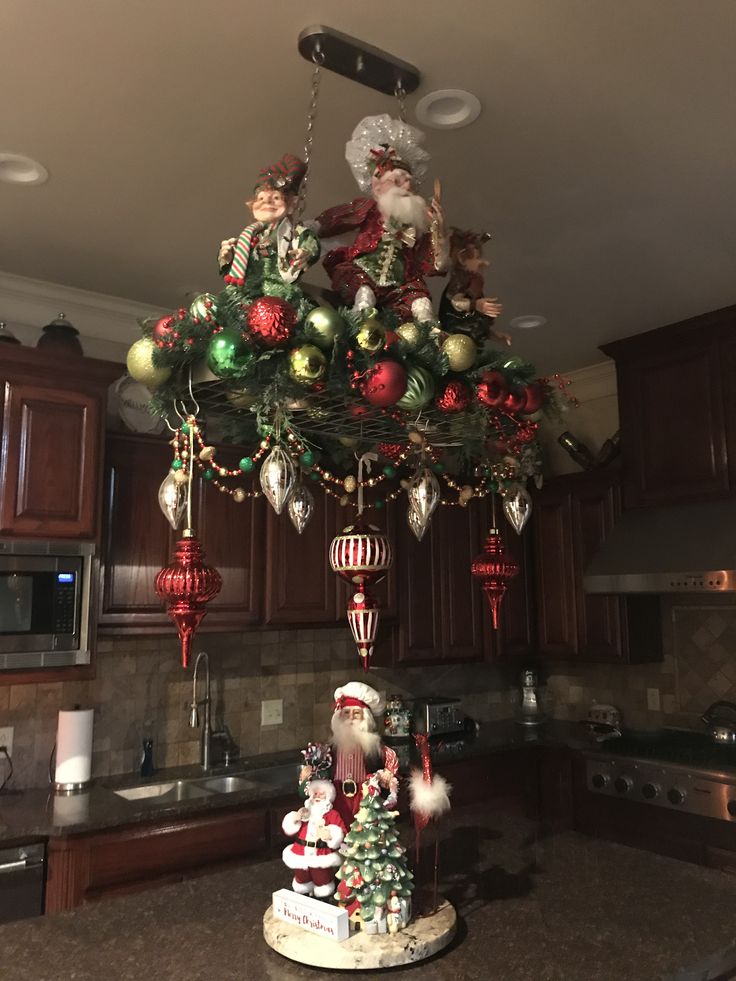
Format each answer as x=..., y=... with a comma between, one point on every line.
x=421, y=939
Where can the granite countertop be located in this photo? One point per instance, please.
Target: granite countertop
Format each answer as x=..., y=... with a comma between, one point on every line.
x=560, y=908
x=37, y=814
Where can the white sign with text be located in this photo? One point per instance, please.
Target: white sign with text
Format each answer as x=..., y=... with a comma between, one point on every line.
x=311, y=914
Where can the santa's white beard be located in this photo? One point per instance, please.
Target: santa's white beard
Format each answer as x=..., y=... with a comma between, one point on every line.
x=317, y=809
x=351, y=735
x=406, y=209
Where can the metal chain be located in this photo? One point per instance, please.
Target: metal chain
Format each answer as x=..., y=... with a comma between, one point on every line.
x=400, y=93
x=318, y=58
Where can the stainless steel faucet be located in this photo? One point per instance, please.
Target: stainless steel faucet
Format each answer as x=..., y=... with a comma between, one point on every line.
x=194, y=713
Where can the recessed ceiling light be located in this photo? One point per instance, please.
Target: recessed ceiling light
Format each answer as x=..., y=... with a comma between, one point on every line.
x=528, y=321
x=448, y=109
x=17, y=169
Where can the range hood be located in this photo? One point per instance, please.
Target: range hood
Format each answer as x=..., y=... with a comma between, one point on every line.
x=687, y=548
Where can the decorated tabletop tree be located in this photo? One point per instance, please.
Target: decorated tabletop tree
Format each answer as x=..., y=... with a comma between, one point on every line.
x=375, y=884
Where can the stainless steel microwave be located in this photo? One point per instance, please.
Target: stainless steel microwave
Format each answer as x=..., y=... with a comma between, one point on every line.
x=45, y=590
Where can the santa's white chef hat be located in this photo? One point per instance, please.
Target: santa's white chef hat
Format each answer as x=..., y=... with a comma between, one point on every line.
x=357, y=693
x=326, y=786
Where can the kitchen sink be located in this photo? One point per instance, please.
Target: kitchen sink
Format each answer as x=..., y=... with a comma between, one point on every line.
x=165, y=793
x=277, y=776
x=227, y=785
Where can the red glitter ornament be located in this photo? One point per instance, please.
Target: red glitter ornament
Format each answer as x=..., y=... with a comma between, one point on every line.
x=492, y=389
x=392, y=451
x=455, y=397
x=271, y=320
x=187, y=586
x=384, y=383
x=494, y=569
x=164, y=334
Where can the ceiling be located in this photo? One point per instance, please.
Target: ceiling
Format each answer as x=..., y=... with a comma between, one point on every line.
x=603, y=162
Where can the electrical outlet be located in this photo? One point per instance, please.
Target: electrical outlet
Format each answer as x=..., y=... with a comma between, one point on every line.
x=6, y=738
x=653, y=699
x=272, y=712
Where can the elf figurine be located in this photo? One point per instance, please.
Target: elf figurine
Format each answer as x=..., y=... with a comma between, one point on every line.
x=318, y=831
x=270, y=254
x=464, y=308
x=400, y=238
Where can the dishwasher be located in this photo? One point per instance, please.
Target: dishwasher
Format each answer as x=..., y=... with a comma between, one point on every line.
x=21, y=881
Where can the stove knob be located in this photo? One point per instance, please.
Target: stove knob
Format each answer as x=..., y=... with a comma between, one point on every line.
x=731, y=808
x=623, y=784
x=676, y=796
x=599, y=780
x=650, y=791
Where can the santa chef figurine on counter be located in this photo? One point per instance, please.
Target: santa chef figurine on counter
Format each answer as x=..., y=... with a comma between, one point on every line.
x=319, y=831
x=357, y=750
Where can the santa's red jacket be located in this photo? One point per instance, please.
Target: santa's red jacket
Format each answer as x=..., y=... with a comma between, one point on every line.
x=305, y=852
x=364, y=214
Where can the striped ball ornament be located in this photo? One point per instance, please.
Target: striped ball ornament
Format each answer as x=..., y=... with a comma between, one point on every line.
x=361, y=554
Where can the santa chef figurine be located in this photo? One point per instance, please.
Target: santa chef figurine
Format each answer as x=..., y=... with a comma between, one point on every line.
x=271, y=253
x=357, y=750
x=400, y=238
x=319, y=831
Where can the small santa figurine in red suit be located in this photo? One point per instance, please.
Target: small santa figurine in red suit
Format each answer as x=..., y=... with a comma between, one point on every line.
x=318, y=831
x=357, y=750
x=400, y=238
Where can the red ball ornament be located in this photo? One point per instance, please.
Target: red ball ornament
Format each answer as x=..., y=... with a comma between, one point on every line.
x=514, y=401
x=391, y=338
x=163, y=334
x=492, y=389
x=384, y=383
x=455, y=397
x=271, y=320
x=533, y=398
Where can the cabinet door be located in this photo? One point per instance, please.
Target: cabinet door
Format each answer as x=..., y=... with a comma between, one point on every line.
x=555, y=573
x=233, y=543
x=595, y=506
x=464, y=606
x=137, y=540
x=419, y=635
x=301, y=588
x=672, y=424
x=50, y=462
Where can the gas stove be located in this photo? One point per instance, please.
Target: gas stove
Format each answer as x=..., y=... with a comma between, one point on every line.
x=671, y=768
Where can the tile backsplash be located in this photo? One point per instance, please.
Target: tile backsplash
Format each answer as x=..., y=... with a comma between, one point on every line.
x=141, y=690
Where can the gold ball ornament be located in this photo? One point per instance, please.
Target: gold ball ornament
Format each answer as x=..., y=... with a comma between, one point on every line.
x=409, y=334
x=307, y=364
x=206, y=453
x=372, y=335
x=180, y=476
x=239, y=495
x=350, y=484
x=322, y=325
x=140, y=364
x=461, y=352
x=466, y=493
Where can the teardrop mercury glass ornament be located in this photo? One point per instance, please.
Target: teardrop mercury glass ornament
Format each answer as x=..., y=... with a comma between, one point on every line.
x=416, y=524
x=277, y=478
x=517, y=506
x=300, y=507
x=172, y=499
x=424, y=494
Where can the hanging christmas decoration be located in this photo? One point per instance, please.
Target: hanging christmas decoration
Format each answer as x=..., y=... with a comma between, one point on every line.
x=142, y=367
x=307, y=364
x=229, y=354
x=418, y=525
x=363, y=617
x=164, y=333
x=460, y=351
x=419, y=389
x=277, y=478
x=491, y=389
x=494, y=569
x=454, y=397
x=533, y=398
x=300, y=506
x=322, y=325
x=384, y=383
x=204, y=308
x=371, y=336
x=517, y=506
x=361, y=554
x=172, y=498
x=410, y=334
x=271, y=320
x=424, y=495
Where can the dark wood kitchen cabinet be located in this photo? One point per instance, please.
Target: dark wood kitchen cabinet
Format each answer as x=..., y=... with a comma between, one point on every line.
x=53, y=416
x=138, y=541
x=677, y=402
x=571, y=518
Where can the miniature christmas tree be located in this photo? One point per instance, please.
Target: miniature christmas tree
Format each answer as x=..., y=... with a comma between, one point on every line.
x=374, y=874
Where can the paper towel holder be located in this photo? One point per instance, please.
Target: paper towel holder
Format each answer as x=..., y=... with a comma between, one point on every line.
x=65, y=789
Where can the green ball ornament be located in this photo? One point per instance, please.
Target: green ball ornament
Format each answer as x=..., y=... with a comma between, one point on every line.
x=410, y=334
x=372, y=335
x=140, y=364
x=419, y=389
x=307, y=458
x=208, y=474
x=177, y=464
x=246, y=464
x=514, y=364
x=204, y=307
x=389, y=472
x=228, y=354
x=307, y=364
x=322, y=326
x=461, y=352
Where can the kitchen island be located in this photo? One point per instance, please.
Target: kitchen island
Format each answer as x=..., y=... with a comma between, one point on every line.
x=531, y=908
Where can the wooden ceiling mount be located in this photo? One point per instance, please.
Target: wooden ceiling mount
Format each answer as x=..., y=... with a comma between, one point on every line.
x=353, y=58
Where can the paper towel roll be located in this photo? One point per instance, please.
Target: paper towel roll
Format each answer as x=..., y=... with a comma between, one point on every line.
x=74, y=746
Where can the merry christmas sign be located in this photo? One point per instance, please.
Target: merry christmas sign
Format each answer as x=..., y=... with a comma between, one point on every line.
x=311, y=914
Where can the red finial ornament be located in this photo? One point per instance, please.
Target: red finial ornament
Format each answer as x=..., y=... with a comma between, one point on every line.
x=187, y=586
x=494, y=569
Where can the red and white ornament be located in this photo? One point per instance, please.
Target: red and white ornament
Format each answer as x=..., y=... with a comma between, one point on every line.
x=494, y=569
x=363, y=617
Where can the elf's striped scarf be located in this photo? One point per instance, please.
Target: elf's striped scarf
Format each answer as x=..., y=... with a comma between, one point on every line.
x=243, y=248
